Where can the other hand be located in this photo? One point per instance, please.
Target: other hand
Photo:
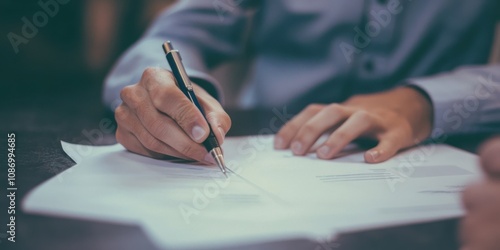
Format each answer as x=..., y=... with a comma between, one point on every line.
x=480, y=229
x=396, y=119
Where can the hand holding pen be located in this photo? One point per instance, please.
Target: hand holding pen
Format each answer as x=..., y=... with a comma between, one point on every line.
x=184, y=83
x=156, y=119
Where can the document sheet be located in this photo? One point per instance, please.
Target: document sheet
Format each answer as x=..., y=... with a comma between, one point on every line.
x=270, y=195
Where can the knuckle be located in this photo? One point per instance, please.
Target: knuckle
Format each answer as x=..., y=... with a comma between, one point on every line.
x=309, y=127
x=184, y=114
x=287, y=129
x=141, y=111
x=148, y=73
x=120, y=136
x=335, y=108
x=126, y=93
x=157, y=100
x=150, y=86
x=363, y=115
x=121, y=114
x=188, y=150
x=151, y=143
x=154, y=78
x=341, y=135
x=356, y=99
x=314, y=107
x=157, y=128
x=212, y=116
x=162, y=96
x=132, y=96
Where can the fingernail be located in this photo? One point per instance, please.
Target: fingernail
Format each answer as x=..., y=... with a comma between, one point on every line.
x=297, y=147
x=323, y=151
x=278, y=142
x=209, y=159
x=198, y=133
x=374, y=154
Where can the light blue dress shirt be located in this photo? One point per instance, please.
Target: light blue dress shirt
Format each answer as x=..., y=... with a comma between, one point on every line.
x=324, y=51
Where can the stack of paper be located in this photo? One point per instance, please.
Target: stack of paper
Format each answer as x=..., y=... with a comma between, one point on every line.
x=272, y=195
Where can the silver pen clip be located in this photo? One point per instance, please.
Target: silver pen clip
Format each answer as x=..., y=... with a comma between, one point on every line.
x=169, y=49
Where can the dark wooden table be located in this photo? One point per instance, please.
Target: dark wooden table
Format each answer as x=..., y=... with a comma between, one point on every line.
x=42, y=116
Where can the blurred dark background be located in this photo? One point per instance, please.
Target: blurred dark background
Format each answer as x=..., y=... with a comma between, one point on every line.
x=67, y=58
x=50, y=90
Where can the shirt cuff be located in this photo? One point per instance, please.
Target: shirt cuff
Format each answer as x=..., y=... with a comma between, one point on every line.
x=130, y=67
x=455, y=107
x=207, y=82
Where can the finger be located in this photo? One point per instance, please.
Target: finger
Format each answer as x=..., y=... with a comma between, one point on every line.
x=289, y=130
x=160, y=126
x=358, y=124
x=132, y=144
x=468, y=196
x=467, y=231
x=484, y=199
x=143, y=137
x=219, y=120
x=490, y=157
x=477, y=232
x=169, y=99
x=127, y=119
x=314, y=127
x=387, y=147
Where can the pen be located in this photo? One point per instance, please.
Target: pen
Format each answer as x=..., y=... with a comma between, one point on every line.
x=174, y=60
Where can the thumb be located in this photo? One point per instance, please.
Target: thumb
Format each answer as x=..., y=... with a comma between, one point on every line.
x=219, y=120
x=387, y=147
x=490, y=157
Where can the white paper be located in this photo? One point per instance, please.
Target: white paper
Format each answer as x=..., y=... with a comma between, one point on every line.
x=273, y=195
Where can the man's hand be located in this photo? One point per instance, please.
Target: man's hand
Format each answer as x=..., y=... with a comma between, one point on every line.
x=396, y=119
x=481, y=226
x=156, y=119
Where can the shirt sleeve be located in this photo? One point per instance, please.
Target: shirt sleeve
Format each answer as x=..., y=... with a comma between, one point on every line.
x=205, y=33
x=465, y=101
